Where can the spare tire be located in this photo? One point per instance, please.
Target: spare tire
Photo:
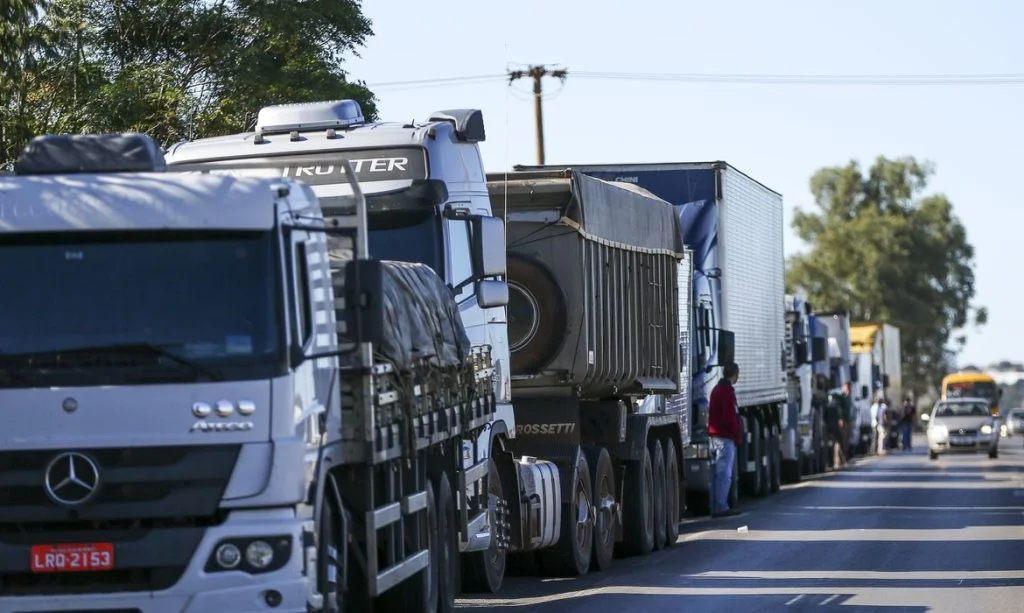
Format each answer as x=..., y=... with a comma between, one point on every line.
x=537, y=318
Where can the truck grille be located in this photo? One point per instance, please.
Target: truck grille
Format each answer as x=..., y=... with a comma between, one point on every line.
x=148, y=483
x=153, y=504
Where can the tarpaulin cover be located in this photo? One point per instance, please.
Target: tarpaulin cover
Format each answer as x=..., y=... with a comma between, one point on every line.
x=651, y=222
x=65, y=153
x=421, y=318
x=598, y=206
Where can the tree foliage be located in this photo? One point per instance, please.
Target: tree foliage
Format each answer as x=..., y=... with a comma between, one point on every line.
x=175, y=69
x=887, y=253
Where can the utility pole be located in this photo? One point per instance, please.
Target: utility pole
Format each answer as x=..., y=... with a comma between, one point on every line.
x=537, y=73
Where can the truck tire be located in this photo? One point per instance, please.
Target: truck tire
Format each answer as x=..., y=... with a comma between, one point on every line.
x=537, y=318
x=660, y=502
x=602, y=477
x=419, y=593
x=447, y=546
x=752, y=480
x=329, y=557
x=484, y=571
x=791, y=470
x=673, y=487
x=570, y=556
x=734, y=490
x=775, y=461
x=638, y=506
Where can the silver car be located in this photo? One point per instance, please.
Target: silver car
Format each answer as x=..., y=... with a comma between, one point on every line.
x=1014, y=422
x=963, y=425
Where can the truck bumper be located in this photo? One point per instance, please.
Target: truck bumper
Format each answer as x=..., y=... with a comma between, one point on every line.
x=198, y=591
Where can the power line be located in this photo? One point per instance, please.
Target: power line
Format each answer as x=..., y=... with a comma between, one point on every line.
x=739, y=78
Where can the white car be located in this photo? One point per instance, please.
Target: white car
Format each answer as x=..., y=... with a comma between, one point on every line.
x=1014, y=422
x=963, y=425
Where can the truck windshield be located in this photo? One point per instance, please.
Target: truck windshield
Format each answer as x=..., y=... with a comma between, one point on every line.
x=132, y=308
x=408, y=236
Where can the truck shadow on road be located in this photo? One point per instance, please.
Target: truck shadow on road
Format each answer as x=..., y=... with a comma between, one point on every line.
x=840, y=543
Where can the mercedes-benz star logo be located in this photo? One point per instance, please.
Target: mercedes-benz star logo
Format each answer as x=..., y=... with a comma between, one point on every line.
x=72, y=479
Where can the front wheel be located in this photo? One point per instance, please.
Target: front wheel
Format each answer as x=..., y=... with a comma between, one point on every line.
x=484, y=571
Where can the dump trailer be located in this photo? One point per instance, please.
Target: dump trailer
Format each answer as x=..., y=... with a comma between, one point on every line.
x=803, y=351
x=594, y=272
x=238, y=410
x=733, y=225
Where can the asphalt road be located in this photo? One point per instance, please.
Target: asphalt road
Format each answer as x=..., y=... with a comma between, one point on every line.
x=892, y=533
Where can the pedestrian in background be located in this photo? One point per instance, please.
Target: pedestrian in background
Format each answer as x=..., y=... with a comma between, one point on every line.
x=726, y=434
x=880, y=420
x=907, y=423
x=836, y=428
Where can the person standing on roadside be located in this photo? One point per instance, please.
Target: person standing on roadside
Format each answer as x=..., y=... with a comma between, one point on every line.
x=726, y=435
x=845, y=400
x=834, y=425
x=907, y=423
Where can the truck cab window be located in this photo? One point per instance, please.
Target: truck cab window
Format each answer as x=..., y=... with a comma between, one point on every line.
x=460, y=256
x=301, y=288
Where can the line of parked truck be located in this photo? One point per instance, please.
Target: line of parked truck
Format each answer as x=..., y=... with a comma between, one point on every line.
x=334, y=365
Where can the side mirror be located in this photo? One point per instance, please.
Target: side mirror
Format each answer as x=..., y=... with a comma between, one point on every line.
x=726, y=347
x=864, y=392
x=925, y=417
x=296, y=355
x=800, y=352
x=819, y=349
x=491, y=293
x=488, y=246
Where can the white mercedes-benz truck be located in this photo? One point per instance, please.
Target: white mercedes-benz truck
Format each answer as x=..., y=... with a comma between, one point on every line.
x=216, y=401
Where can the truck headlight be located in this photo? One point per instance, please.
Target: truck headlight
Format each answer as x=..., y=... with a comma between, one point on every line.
x=259, y=554
x=253, y=554
x=228, y=556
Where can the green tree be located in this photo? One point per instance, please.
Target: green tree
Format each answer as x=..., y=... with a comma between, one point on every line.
x=886, y=252
x=175, y=69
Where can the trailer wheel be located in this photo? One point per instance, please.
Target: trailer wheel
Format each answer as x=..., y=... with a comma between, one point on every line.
x=570, y=556
x=660, y=502
x=638, y=506
x=602, y=476
x=752, y=480
x=734, y=490
x=775, y=462
x=484, y=571
x=537, y=319
x=672, y=490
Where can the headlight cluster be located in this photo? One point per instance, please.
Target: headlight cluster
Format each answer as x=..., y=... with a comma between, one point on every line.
x=986, y=429
x=253, y=555
x=939, y=429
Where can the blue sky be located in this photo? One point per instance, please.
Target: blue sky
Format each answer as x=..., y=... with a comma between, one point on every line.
x=780, y=134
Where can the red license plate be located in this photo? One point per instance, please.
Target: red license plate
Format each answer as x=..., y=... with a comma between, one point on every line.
x=72, y=558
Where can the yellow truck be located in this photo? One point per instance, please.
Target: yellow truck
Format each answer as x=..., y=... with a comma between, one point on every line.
x=973, y=384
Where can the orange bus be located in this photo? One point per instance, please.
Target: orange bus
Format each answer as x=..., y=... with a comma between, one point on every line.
x=973, y=385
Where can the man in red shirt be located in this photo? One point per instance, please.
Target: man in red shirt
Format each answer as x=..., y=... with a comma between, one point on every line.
x=726, y=435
